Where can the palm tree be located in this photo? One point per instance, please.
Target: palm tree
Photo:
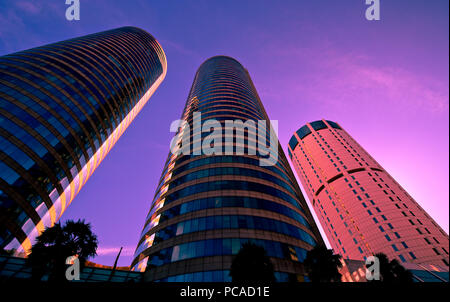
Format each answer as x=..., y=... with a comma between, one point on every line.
x=322, y=265
x=392, y=271
x=252, y=264
x=10, y=252
x=55, y=244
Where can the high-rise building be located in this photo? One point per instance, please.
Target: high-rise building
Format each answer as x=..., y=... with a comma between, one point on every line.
x=62, y=108
x=206, y=206
x=362, y=209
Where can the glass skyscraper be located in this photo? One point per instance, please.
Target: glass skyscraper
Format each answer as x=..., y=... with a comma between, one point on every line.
x=206, y=206
x=62, y=108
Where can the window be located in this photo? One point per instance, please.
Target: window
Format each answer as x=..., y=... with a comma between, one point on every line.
x=293, y=143
x=394, y=248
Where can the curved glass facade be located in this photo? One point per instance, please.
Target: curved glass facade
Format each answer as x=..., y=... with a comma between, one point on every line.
x=62, y=108
x=207, y=206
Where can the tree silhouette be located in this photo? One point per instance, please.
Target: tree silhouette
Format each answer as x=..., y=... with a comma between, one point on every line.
x=55, y=244
x=10, y=252
x=252, y=264
x=322, y=265
x=392, y=271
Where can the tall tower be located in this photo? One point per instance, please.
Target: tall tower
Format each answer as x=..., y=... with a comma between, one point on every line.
x=206, y=206
x=362, y=209
x=62, y=108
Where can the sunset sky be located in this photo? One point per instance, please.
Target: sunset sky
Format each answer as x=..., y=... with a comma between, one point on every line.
x=385, y=82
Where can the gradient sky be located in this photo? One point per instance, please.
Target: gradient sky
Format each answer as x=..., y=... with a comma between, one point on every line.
x=385, y=82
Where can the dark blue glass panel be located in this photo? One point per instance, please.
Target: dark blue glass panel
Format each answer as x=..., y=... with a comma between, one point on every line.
x=303, y=132
x=293, y=142
x=317, y=125
x=334, y=125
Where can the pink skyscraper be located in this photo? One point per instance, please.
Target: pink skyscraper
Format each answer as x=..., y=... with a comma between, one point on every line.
x=362, y=209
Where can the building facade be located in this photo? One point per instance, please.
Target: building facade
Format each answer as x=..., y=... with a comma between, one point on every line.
x=17, y=269
x=63, y=106
x=355, y=271
x=362, y=209
x=207, y=205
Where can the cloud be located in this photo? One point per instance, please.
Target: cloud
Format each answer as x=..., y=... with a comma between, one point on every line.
x=31, y=7
x=179, y=48
x=15, y=19
x=393, y=85
x=9, y=20
x=126, y=251
x=327, y=77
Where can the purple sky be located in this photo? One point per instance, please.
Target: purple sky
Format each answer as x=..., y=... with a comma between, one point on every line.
x=385, y=82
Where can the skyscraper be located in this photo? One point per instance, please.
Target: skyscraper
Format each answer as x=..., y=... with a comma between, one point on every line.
x=362, y=209
x=62, y=108
x=207, y=205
